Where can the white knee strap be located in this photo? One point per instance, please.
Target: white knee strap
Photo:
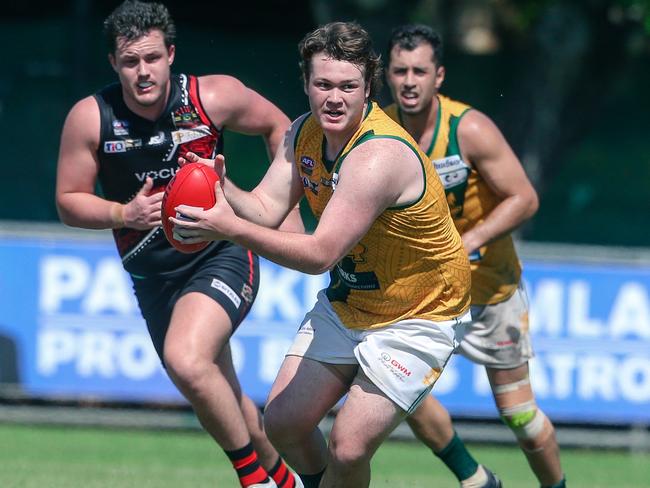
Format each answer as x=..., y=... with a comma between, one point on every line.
x=510, y=387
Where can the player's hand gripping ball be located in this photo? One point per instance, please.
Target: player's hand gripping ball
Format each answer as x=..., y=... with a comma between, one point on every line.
x=192, y=185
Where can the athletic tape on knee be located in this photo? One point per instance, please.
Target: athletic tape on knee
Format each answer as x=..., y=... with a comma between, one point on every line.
x=525, y=420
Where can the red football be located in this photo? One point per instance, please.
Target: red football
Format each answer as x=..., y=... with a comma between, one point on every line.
x=192, y=185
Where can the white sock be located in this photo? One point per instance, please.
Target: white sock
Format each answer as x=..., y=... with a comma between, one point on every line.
x=477, y=480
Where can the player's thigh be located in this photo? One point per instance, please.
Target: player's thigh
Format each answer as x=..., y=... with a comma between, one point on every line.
x=304, y=391
x=229, y=276
x=198, y=330
x=318, y=368
x=213, y=302
x=364, y=421
x=183, y=321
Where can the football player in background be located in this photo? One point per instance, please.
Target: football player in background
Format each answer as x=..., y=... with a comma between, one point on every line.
x=489, y=196
x=128, y=137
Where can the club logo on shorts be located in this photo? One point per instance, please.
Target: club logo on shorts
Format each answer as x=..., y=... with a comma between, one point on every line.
x=524, y=322
x=247, y=293
x=432, y=376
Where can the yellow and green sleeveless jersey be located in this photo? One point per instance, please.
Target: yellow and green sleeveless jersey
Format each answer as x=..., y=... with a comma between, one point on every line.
x=495, y=267
x=410, y=263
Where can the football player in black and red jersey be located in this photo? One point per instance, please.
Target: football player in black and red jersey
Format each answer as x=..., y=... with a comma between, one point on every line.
x=129, y=137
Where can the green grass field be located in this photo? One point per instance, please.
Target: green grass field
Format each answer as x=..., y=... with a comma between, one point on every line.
x=69, y=457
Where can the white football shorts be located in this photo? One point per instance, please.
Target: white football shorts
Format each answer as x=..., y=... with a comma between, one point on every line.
x=403, y=359
x=498, y=335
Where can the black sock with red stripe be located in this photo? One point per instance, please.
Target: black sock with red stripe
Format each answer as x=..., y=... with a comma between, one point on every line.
x=247, y=465
x=281, y=475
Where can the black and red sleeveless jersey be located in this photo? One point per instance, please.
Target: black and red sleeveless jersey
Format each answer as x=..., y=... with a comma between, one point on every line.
x=132, y=148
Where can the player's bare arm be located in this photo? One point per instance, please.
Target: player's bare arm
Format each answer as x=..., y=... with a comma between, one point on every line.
x=483, y=145
x=77, y=171
x=271, y=209
x=77, y=168
x=293, y=222
x=275, y=196
x=243, y=110
x=369, y=182
x=231, y=104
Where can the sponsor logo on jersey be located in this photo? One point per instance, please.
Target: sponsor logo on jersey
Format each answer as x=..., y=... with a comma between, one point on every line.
x=186, y=118
x=182, y=136
x=310, y=185
x=161, y=174
x=450, y=162
x=157, y=139
x=307, y=164
x=120, y=127
x=331, y=182
x=453, y=171
x=114, y=147
x=132, y=143
x=364, y=280
x=121, y=146
x=349, y=277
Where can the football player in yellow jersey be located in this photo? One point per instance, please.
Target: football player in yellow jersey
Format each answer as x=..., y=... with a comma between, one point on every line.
x=489, y=196
x=385, y=327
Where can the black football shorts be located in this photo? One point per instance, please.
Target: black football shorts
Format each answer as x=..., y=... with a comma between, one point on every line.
x=229, y=275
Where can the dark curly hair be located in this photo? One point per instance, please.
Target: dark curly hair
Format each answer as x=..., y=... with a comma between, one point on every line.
x=410, y=36
x=133, y=19
x=343, y=41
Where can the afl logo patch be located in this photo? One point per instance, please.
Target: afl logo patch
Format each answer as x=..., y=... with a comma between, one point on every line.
x=307, y=164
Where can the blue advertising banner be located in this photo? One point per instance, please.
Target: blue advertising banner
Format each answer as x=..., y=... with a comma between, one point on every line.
x=590, y=326
x=71, y=328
